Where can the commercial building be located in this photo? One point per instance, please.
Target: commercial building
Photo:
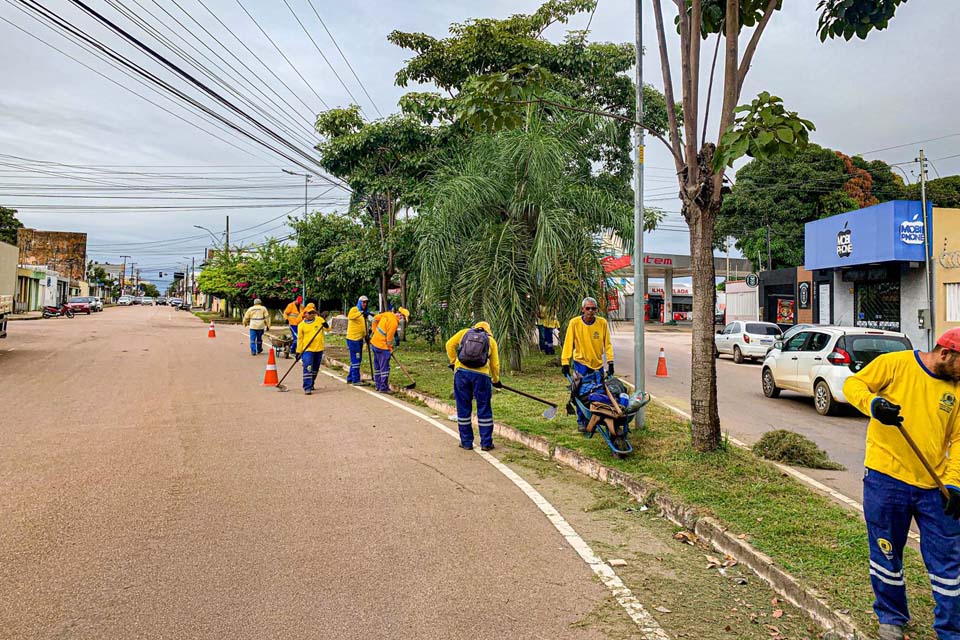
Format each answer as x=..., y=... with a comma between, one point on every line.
x=63, y=251
x=867, y=268
x=946, y=268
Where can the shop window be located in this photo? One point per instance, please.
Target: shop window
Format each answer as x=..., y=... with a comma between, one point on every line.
x=953, y=301
x=877, y=305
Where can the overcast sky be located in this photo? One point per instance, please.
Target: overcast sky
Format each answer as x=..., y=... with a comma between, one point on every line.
x=898, y=87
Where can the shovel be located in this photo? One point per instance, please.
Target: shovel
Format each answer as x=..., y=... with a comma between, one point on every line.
x=548, y=414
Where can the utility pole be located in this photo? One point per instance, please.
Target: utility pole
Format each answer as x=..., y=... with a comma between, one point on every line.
x=928, y=263
x=227, y=245
x=303, y=271
x=639, y=290
x=123, y=273
x=769, y=254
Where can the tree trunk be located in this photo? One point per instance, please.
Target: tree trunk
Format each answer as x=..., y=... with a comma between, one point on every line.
x=705, y=428
x=515, y=357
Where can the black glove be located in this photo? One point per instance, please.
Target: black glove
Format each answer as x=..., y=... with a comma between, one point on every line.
x=565, y=370
x=951, y=507
x=452, y=366
x=498, y=385
x=366, y=339
x=609, y=369
x=886, y=412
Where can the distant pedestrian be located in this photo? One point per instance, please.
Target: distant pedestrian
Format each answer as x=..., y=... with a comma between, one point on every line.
x=293, y=314
x=356, y=331
x=587, y=343
x=547, y=323
x=897, y=488
x=257, y=318
x=310, y=342
x=383, y=331
x=475, y=360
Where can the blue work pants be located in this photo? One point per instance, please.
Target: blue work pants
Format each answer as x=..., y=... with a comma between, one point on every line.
x=311, y=366
x=356, y=356
x=545, y=336
x=888, y=507
x=256, y=341
x=293, y=332
x=467, y=387
x=381, y=368
x=585, y=372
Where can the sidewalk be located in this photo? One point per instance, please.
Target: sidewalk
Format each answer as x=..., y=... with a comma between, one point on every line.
x=30, y=315
x=652, y=327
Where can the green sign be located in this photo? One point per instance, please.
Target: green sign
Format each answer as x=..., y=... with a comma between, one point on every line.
x=753, y=280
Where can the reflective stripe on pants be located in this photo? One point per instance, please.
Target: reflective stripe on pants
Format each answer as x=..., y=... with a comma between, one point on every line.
x=311, y=366
x=467, y=387
x=356, y=356
x=381, y=368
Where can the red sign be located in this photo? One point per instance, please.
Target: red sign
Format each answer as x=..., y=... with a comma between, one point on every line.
x=659, y=261
x=613, y=264
x=613, y=301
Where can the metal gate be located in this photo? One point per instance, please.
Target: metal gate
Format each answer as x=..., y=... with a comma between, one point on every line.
x=877, y=305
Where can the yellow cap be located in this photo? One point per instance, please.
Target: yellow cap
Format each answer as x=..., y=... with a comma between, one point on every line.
x=405, y=312
x=310, y=307
x=483, y=324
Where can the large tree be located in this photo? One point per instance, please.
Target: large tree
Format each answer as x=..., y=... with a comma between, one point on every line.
x=509, y=226
x=9, y=225
x=942, y=192
x=782, y=193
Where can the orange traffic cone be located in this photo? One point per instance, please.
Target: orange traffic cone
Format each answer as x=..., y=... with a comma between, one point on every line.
x=212, y=333
x=270, y=375
x=662, y=365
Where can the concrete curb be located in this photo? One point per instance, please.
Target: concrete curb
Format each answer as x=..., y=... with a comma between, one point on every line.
x=837, y=625
x=13, y=318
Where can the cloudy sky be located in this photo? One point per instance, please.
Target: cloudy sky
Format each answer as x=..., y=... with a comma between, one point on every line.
x=69, y=136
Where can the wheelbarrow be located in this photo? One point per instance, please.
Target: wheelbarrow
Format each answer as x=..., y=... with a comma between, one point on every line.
x=281, y=344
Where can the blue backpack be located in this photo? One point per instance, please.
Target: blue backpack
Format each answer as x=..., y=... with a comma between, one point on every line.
x=474, y=349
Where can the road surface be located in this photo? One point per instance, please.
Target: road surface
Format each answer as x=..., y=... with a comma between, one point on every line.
x=744, y=411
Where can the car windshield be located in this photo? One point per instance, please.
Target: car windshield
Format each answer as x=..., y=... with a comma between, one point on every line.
x=81, y=300
x=761, y=329
x=864, y=349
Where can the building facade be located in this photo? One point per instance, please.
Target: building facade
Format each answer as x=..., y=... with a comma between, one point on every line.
x=946, y=268
x=63, y=251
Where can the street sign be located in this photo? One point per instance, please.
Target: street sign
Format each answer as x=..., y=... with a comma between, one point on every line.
x=178, y=275
x=753, y=280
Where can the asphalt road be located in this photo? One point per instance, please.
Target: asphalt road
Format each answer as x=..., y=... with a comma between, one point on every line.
x=744, y=411
x=150, y=488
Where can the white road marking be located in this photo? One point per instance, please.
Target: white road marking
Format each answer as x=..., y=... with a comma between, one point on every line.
x=649, y=628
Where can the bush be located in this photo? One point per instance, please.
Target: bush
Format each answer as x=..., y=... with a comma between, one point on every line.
x=792, y=448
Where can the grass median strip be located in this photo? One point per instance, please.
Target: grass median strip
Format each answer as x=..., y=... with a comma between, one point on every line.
x=818, y=542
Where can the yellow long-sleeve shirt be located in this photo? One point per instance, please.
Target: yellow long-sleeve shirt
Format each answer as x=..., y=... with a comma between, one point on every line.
x=257, y=317
x=492, y=368
x=587, y=343
x=306, y=331
x=356, y=324
x=385, y=327
x=293, y=314
x=930, y=415
x=547, y=318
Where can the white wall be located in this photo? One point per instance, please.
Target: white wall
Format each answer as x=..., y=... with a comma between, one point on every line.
x=913, y=296
x=742, y=302
x=48, y=295
x=842, y=301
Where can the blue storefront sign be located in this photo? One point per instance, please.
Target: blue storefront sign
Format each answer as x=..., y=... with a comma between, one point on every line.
x=888, y=232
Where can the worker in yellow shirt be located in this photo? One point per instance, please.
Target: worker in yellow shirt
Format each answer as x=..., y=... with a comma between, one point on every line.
x=475, y=360
x=293, y=314
x=547, y=323
x=356, y=330
x=384, y=329
x=310, y=345
x=916, y=391
x=587, y=343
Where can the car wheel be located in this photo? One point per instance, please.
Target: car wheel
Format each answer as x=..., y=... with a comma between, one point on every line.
x=737, y=355
x=823, y=399
x=770, y=388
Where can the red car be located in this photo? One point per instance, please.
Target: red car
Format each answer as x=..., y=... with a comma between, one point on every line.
x=79, y=305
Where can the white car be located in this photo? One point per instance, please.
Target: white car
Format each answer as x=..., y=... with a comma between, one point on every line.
x=817, y=362
x=125, y=301
x=743, y=340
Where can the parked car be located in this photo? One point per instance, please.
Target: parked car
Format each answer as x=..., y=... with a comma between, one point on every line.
x=97, y=303
x=147, y=300
x=125, y=301
x=138, y=300
x=817, y=362
x=792, y=331
x=176, y=303
x=744, y=340
x=161, y=301
x=79, y=305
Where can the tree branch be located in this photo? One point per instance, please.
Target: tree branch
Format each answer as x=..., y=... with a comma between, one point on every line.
x=752, y=45
x=689, y=108
x=693, y=84
x=731, y=83
x=668, y=88
x=713, y=68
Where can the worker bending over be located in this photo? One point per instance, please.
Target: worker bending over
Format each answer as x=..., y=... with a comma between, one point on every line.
x=475, y=360
x=383, y=332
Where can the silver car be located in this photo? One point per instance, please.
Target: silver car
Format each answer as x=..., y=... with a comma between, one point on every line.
x=746, y=339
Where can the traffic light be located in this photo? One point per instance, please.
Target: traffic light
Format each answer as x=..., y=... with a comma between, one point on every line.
x=161, y=274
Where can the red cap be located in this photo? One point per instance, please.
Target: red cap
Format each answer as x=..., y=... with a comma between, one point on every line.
x=299, y=299
x=950, y=340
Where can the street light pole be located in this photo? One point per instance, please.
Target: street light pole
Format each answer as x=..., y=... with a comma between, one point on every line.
x=639, y=290
x=303, y=271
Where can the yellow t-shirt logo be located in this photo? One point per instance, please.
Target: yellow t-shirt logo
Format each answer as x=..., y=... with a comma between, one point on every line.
x=948, y=402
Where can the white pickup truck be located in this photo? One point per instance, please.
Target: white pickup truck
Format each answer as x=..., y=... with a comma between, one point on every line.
x=6, y=308
x=8, y=283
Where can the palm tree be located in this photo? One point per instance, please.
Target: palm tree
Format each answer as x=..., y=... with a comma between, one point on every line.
x=514, y=221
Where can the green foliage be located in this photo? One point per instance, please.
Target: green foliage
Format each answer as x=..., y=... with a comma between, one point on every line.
x=850, y=18
x=9, y=225
x=509, y=227
x=763, y=129
x=150, y=289
x=432, y=322
x=271, y=273
x=942, y=192
x=342, y=257
x=792, y=448
x=714, y=14
x=786, y=192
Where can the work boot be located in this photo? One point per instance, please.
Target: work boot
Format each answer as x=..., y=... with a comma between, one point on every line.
x=891, y=632
x=582, y=428
x=490, y=448
x=308, y=392
x=463, y=446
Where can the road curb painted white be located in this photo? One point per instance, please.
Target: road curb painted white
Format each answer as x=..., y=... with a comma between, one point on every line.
x=649, y=628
